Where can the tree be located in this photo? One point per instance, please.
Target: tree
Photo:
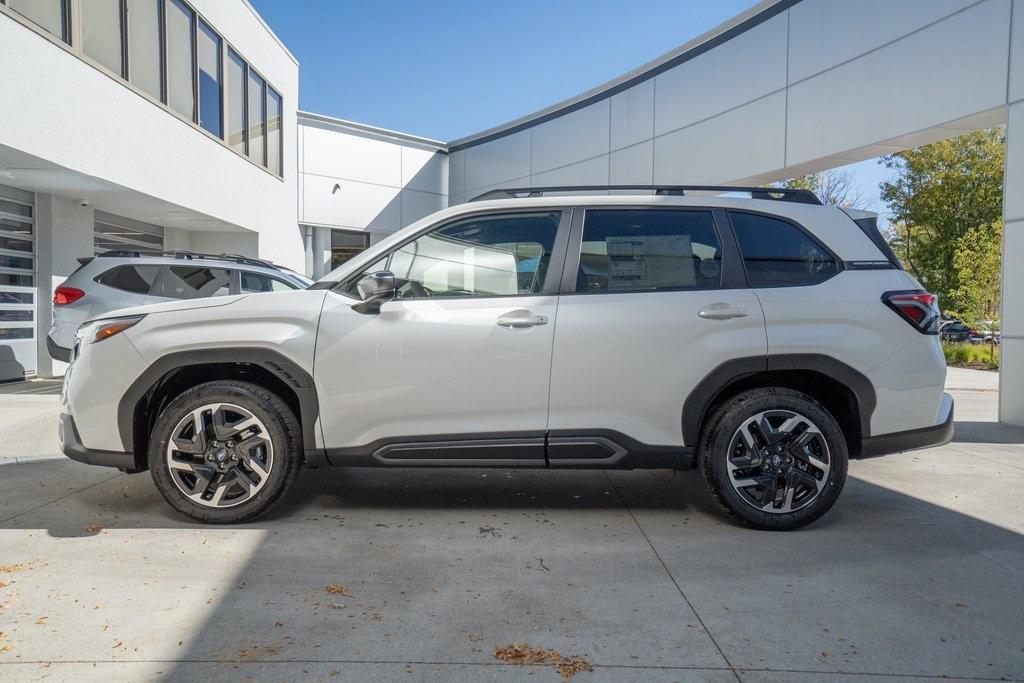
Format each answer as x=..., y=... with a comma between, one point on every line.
x=976, y=262
x=834, y=187
x=945, y=196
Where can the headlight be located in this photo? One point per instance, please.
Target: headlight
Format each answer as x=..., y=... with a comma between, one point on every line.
x=98, y=330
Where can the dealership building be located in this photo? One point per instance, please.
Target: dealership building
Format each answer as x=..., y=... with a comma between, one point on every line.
x=155, y=125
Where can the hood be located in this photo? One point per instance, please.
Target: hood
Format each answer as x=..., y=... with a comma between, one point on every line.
x=170, y=306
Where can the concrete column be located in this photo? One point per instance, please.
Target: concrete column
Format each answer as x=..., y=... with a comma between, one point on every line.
x=321, y=252
x=307, y=246
x=177, y=239
x=1011, y=372
x=64, y=233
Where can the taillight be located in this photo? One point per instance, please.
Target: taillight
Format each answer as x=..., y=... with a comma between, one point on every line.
x=66, y=295
x=917, y=307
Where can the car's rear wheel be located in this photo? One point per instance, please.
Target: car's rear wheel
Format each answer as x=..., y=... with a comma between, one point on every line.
x=225, y=451
x=774, y=458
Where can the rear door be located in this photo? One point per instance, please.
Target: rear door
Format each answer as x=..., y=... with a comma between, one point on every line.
x=653, y=299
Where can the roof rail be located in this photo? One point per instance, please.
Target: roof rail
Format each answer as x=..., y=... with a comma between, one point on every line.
x=784, y=194
x=189, y=256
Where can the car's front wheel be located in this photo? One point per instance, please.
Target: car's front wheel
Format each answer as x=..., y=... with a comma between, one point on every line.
x=225, y=451
x=774, y=458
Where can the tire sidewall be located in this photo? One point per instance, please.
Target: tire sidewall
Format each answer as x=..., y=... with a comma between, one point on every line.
x=716, y=448
x=252, y=399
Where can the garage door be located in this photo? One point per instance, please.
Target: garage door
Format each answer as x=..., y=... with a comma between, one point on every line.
x=17, y=285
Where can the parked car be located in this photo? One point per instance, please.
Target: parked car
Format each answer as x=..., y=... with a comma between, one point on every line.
x=122, y=279
x=955, y=331
x=763, y=341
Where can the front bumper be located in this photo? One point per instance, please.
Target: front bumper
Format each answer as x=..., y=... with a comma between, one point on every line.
x=57, y=352
x=927, y=437
x=71, y=445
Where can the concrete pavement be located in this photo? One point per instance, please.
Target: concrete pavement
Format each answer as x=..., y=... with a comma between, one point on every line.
x=420, y=575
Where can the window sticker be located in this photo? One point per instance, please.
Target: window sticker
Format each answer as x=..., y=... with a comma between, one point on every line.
x=650, y=262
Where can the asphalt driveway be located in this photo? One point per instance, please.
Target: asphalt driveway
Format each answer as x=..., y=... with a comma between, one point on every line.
x=422, y=575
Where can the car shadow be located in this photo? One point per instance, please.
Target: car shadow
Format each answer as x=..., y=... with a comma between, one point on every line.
x=374, y=567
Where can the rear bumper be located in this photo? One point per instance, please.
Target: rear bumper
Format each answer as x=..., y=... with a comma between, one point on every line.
x=57, y=352
x=914, y=439
x=71, y=445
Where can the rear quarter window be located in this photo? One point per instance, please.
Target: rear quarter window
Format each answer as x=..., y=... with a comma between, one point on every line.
x=134, y=279
x=776, y=253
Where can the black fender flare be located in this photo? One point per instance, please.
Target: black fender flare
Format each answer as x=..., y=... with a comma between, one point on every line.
x=289, y=372
x=696, y=406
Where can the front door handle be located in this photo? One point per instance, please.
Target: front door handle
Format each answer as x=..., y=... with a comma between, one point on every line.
x=722, y=312
x=522, y=318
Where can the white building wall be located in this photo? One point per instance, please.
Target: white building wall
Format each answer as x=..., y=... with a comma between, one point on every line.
x=134, y=158
x=819, y=84
x=363, y=179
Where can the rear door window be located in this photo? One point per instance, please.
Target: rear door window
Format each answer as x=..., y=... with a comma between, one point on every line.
x=194, y=282
x=134, y=279
x=776, y=253
x=643, y=250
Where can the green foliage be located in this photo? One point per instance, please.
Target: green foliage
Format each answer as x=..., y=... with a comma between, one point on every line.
x=944, y=198
x=971, y=355
x=977, y=257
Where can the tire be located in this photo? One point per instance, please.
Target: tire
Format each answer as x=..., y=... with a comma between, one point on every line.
x=750, y=463
x=241, y=461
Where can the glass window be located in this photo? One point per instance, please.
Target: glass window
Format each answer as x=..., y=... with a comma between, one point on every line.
x=15, y=209
x=257, y=118
x=15, y=244
x=134, y=279
x=15, y=280
x=50, y=15
x=209, y=79
x=648, y=250
x=194, y=282
x=255, y=283
x=101, y=32
x=144, y=36
x=274, y=158
x=15, y=333
x=345, y=245
x=180, y=67
x=15, y=262
x=235, y=102
x=16, y=316
x=776, y=252
x=503, y=255
x=16, y=298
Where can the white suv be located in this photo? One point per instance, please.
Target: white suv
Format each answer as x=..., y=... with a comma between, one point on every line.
x=763, y=340
x=124, y=279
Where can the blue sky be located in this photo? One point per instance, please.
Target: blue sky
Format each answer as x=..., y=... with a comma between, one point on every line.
x=448, y=68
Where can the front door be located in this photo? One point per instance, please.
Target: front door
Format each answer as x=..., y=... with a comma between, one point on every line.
x=657, y=301
x=455, y=370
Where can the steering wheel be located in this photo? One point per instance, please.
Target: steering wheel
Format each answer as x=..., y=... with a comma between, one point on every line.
x=410, y=289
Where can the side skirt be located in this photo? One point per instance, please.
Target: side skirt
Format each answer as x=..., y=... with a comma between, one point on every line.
x=563, y=449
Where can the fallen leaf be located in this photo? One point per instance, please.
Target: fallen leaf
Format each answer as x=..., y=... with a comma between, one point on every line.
x=337, y=589
x=11, y=568
x=94, y=528
x=522, y=654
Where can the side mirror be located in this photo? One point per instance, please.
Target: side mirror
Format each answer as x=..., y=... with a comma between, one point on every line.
x=375, y=289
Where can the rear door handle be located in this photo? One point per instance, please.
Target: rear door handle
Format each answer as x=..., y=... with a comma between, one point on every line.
x=722, y=312
x=522, y=318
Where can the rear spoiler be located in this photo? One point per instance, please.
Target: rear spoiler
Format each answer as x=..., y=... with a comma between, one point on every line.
x=867, y=221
